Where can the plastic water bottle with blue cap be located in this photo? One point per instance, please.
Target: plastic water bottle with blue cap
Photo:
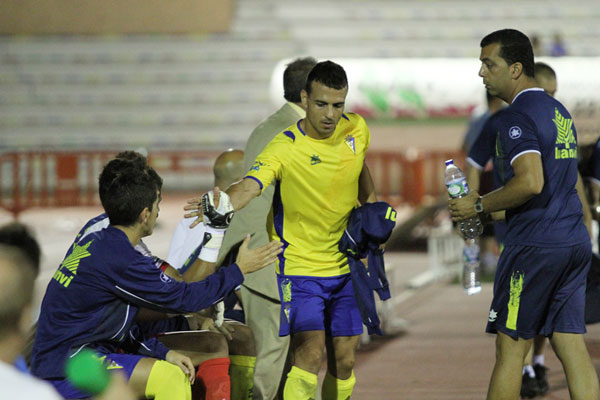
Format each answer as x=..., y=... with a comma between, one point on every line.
x=471, y=229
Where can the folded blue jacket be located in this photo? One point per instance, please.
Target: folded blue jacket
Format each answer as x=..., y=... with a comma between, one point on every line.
x=368, y=227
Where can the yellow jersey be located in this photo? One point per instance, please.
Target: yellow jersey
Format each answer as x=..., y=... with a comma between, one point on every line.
x=316, y=188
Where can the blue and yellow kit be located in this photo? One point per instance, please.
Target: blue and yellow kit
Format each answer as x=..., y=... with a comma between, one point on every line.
x=316, y=188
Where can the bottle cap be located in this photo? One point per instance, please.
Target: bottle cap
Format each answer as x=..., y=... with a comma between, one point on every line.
x=87, y=372
x=449, y=162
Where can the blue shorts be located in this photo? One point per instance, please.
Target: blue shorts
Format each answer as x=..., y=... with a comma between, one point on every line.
x=538, y=291
x=318, y=303
x=113, y=361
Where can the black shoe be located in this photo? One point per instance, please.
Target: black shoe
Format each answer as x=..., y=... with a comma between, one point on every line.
x=529, y=387
x=541, y=378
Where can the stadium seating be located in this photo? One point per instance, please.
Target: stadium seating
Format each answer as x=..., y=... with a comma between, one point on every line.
x=210, y=91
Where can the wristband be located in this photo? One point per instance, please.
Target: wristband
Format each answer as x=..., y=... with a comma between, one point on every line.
x=210, y=250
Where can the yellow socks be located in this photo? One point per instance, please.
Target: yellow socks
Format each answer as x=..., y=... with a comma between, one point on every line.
x=168, y=382
x=337, y=389
x=300, y=385
x=241, y=371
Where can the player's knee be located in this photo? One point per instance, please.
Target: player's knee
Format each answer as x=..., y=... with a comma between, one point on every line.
x=310, y=356
x=345, y=363
x=167, y=381
x=243, y=341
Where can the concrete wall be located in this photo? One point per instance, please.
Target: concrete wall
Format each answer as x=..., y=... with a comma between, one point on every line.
x=114, y=16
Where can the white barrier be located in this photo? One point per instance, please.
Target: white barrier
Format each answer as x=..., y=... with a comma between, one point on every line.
x=444, y=250
x=430, y=87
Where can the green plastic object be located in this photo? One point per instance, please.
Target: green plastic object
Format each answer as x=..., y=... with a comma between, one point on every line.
x=87, y=372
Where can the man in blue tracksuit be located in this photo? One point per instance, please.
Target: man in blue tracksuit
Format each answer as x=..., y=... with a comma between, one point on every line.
x=99, y=287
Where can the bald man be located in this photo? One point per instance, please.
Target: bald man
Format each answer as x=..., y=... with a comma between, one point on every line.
x=228, y=168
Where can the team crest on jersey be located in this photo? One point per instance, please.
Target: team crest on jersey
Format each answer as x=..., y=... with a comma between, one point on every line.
x=164, y=278
x=315, y=159
x=514, y=132
x=350, y=143
x=566, y=145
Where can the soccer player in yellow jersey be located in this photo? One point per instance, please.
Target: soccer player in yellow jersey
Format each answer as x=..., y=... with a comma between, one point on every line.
x=319, y=171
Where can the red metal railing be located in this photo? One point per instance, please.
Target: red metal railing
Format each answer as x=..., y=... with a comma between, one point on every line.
x=410, y=177
x=58, y=179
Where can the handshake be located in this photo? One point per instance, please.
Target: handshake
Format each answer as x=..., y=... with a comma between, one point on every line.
x=215, y=208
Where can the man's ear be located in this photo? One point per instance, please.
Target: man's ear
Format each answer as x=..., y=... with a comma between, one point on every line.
x=144, y=215
x=304, y=98
x=516, y=70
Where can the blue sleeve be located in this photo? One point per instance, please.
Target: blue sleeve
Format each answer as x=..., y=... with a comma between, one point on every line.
x=483, y=149
x=143, y=284
x=517, y=135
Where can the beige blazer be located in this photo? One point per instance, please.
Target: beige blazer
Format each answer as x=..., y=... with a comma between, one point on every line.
x=253, y=217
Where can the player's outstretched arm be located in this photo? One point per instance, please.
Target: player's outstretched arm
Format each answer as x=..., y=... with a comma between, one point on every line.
x=239, y=195
x=199, y=270
x=250, y=260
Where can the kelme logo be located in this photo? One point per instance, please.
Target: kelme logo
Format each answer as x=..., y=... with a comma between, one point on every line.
x=514, y=132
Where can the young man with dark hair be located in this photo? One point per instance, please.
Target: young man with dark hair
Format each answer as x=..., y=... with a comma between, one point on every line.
x=259, y=294
x=319, y=171
x=539, y=288
x=96, y=293
x=215, y=349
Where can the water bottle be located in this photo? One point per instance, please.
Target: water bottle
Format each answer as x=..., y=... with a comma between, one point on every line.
x=470, y=278
x=456, y=182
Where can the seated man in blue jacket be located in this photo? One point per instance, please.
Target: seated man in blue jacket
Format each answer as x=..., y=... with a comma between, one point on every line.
x=103, y=281
x=223, y=352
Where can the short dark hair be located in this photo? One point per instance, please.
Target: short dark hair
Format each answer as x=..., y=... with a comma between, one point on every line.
x=514, y=47
x=127, y=159
x=544, y=69
x=137, y=158
x=294, y=77
x=329, y=74
x=126, y=189
x=17, y=235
